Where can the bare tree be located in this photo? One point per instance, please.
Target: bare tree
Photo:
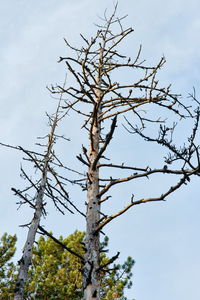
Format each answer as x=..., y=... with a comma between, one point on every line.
x=38, y=207
x=49, y=185
x=101, y=100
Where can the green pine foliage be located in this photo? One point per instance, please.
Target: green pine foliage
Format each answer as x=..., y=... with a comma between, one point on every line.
x=7, y=268
x=57, y=274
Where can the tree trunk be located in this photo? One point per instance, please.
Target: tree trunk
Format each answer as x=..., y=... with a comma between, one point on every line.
x=25, y=261
x=92, y=243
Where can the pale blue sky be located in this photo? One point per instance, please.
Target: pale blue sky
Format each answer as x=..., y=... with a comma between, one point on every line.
x=163, y=238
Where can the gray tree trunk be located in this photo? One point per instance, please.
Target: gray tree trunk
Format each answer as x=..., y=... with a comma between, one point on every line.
x=92, y=241
x=92, y=284
x=25, y=261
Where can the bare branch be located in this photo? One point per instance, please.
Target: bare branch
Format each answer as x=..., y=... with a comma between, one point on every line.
x=162, y=197
x=60, y=243
x=107, y=141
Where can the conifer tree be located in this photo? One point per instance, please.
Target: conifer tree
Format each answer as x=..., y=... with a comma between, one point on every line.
x=57, y=274
x=7, y=267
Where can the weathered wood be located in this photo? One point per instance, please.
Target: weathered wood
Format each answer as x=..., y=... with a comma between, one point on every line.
x=25, y=260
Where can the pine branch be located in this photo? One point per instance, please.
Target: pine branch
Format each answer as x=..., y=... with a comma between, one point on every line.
x=110, y=261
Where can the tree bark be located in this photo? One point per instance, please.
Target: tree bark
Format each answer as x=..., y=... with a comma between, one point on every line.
x=91, y=278
x=91, y=282
x=25, y=261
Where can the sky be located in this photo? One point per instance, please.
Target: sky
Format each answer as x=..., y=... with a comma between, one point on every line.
x=163, y=238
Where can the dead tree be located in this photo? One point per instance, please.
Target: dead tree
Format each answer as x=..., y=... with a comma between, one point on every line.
x=38, y=207
x=49, y=185
x=102, y=99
